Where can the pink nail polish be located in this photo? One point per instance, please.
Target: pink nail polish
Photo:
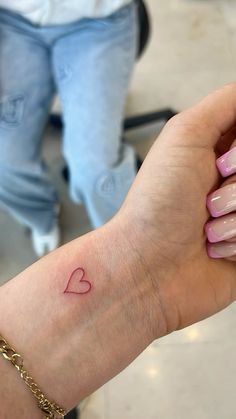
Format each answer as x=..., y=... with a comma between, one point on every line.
x=210, y=233
x=222, y=201
x=211, y=253
x=223, y=228
x=221, y=250
x=227, y=163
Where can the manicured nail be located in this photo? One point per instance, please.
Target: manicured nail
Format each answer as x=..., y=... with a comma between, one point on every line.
x=221, y=229
x=222, y=201
x=221, y=250
x=227, y=163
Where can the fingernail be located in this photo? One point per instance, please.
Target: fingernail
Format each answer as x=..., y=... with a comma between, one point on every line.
x=222, y=201
x=221, y=229
x=227, y=163
x=221, y=250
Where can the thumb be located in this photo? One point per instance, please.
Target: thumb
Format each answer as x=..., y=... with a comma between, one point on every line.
x=207, y=121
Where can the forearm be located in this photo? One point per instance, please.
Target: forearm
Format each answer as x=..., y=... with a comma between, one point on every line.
x=74, y=343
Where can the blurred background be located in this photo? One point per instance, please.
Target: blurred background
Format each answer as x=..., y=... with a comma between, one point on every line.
x=190, y=374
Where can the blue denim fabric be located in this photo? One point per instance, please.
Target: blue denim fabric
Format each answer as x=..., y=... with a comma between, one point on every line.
x=89, y=64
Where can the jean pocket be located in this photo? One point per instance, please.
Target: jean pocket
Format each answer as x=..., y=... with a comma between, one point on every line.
x=11, y=110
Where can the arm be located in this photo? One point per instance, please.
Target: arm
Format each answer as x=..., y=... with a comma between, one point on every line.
x=73, y=343
x=148, y=269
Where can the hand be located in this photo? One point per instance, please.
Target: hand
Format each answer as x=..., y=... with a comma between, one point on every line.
x=165, y=213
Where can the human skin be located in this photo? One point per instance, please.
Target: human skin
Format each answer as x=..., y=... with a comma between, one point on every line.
x=149, y=271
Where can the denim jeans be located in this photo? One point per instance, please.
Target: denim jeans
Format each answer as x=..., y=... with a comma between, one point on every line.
x=89, y=63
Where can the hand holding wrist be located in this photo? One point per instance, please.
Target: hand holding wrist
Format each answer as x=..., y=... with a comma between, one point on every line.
x=148, y=268
x=167, y=206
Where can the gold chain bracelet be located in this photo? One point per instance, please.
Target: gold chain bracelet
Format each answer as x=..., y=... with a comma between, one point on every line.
x=50, y=409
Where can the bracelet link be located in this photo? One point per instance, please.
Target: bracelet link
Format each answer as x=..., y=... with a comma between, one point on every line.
x=50, y=409
x=44, y=405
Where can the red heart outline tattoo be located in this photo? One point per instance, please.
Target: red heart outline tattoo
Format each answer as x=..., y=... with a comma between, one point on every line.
x=76, y=284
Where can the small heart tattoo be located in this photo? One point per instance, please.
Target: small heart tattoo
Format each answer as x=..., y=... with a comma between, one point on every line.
x=76, y=283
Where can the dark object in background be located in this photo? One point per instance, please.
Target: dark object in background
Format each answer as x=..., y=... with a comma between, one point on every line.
x=73, y=414
x=144, y=26
x=139, y=163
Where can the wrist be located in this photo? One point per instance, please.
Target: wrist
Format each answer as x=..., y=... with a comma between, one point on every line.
x=146, y=267
x=147, y=249
x=15, y=399
x=71, y=344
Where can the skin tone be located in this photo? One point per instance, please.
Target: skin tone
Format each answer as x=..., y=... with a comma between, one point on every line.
x=148, y=268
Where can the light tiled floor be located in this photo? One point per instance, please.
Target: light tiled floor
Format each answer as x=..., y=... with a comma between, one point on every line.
x=190, y=374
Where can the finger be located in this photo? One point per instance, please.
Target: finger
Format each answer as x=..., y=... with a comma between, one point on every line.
x=219, y=203
x=209, y=120
x=221, y=250
x=227, y=163
x=222, y=201
x=221, y=229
